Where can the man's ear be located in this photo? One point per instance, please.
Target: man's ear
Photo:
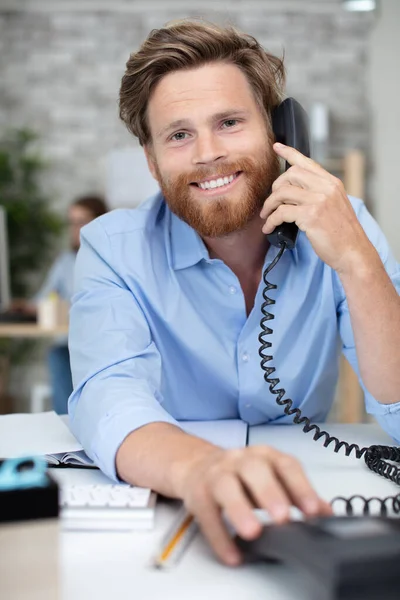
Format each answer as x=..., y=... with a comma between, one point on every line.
x=151, y=161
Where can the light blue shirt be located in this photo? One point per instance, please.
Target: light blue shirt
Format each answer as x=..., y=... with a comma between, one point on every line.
x=159, y=332
x=60, y=278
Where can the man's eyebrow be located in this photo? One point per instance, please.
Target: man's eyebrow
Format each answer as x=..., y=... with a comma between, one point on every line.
x=230, y=114
x=221, y=116
x=178, y=124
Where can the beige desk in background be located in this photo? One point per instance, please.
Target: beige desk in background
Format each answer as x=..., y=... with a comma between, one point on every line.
x=30, y=330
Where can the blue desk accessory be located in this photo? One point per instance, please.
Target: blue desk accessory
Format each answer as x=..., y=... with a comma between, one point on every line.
x=26, y=490
x=13, y=475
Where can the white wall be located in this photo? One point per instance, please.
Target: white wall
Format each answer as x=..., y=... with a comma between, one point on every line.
x=384, y=90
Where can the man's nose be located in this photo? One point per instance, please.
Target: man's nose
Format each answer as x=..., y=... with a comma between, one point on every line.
x=208, y=148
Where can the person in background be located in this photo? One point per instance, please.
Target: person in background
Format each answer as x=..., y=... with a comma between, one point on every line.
x=60, y=280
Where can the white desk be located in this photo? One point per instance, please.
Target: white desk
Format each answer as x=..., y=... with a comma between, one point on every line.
x=102, y=566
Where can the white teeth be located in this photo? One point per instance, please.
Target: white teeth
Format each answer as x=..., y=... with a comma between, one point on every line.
x=214, y=183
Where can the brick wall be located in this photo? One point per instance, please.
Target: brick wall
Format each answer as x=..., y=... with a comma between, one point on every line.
x=60, y=70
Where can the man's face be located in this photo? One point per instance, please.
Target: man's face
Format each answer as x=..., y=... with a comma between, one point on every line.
x=211, y=152
x=78, y=216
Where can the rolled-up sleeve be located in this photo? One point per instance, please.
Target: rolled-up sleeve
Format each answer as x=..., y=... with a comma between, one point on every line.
x=116, y=367
x=388, y=415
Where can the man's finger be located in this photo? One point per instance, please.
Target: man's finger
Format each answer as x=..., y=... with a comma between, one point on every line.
x=290, y=472
x=297, y=176
x=214, y=530
x=291, y=475
x=265, y=488
x=230, y=496
x=294, y=157
x=287, y=194
x=285, y=213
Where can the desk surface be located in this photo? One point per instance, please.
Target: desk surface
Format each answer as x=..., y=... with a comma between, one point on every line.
x=113, y=565
x=30, y=330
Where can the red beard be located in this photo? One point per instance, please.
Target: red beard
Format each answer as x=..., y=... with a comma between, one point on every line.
x=218, y=216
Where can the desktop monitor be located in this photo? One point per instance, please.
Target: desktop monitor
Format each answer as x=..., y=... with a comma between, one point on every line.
x=5, y=293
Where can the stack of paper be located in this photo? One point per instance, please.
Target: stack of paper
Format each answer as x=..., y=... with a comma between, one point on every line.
x=35, y=435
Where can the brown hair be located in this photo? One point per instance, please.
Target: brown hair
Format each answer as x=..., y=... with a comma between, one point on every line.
x=190, y=44
x=94, y=204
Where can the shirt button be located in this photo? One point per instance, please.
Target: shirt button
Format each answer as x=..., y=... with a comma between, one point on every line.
x=232, y=289
x=245, y=357
x=248, y=405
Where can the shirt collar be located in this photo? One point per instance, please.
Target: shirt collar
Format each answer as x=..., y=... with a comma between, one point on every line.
x=187, y=247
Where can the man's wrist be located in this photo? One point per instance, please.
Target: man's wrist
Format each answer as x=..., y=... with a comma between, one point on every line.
x=199, y=458
x=359, y=263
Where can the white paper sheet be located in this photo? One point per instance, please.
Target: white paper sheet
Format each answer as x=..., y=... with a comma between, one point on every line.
x=227, y=433
x=34, y=434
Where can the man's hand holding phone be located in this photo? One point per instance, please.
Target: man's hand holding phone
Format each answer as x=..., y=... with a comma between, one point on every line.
x=306, y=194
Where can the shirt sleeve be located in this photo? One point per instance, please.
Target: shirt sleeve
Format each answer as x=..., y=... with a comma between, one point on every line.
x=116, y=367
x=388, y=415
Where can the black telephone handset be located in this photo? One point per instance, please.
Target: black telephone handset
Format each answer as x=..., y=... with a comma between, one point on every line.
x=290, y=126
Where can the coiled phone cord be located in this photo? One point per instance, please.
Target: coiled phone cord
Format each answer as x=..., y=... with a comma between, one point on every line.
x=375, y=457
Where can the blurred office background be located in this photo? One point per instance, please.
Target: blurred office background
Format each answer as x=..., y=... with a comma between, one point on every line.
x=61, y=63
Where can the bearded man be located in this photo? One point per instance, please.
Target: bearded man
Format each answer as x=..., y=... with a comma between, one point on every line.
x=166, y=315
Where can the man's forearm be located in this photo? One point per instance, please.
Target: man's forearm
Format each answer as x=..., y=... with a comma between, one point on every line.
x=374, y=306
x=159, y=456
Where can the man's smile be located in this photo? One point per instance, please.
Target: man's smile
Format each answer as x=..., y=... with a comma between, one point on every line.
x=218, y=184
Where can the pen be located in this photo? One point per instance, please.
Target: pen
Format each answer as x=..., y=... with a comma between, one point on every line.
x=176, y=541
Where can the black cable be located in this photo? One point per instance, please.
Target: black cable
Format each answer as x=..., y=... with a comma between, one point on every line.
x=375, y=457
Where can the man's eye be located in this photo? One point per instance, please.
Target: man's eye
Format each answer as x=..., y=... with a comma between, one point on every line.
x=179, y=136
x=230, y=122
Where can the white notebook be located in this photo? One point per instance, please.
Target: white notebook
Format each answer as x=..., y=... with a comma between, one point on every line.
x=70, y=459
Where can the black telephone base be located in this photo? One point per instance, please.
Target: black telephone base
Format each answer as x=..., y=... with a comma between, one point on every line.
x=339, y=558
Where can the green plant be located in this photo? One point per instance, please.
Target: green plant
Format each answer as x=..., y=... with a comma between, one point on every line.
x=34, y=228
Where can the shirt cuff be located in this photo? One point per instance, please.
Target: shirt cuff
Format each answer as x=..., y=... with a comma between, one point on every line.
x=114, y=428
x=387, y=415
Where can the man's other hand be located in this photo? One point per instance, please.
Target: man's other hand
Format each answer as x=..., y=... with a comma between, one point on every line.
x=234, y=482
